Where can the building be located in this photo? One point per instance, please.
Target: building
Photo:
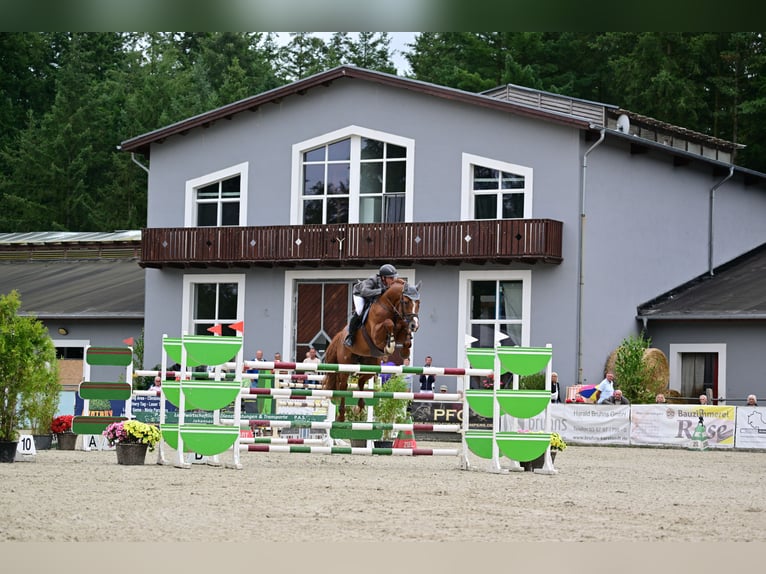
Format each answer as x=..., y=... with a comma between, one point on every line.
x=86, y=288
x=547, y=217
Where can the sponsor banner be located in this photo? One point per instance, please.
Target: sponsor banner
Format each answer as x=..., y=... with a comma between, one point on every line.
x=583, y=423
x=446, y=413
x=751, y=427
x=674, y=425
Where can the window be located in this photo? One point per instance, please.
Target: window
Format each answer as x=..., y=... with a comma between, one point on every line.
x=492, y=301
x=495, y=190
x=353, y=176
x=217, y=199
x=210, y=300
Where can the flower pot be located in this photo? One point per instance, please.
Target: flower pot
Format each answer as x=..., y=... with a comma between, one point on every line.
x=43, y=441
x=66, y=440
x=133, y=453
x=538, y=462
x=8, y=450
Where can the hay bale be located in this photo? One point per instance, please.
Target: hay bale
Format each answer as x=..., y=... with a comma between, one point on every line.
x=657, y=363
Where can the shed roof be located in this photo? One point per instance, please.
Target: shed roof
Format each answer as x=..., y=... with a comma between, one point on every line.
x=99, y=289
x=735, y=291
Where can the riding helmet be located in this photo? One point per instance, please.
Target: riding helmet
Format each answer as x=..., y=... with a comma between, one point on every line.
x=388, y=270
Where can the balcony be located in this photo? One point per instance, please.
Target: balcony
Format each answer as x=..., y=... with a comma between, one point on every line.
x=447, y=242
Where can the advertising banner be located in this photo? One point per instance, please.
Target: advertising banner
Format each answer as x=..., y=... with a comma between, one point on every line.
x=583, y=423
x=751, y=427
x=674, y=425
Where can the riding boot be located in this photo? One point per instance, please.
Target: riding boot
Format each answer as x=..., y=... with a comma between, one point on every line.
x=353, y=325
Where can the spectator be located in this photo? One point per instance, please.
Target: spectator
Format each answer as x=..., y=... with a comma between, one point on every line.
x=157, y=385
x=407, y=376
x=427, y=381
x=752, y=401
x=703, y=399
x=443, y=389
x=311, y=356
x=555, y=398
x=660, y=398
x=250, y=405
x=384, y=360
x=605, y=388
x=616, y=399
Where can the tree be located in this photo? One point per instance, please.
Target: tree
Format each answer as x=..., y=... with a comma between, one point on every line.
x=27, y=362
x=638, y=379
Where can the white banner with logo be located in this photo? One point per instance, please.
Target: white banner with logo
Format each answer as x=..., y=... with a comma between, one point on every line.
x=751, y=427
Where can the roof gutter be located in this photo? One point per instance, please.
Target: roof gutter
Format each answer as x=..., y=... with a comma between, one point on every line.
x=581, y=240
x=710, y=218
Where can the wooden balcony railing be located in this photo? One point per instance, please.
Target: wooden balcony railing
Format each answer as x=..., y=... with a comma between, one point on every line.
x=451, y=242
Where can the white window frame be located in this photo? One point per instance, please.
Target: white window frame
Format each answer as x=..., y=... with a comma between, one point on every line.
x=291, y=277
x=675, y=352
x=192, y=185
x=186, y=298
x=464, y=293
x=466, y=187
x=296, y=184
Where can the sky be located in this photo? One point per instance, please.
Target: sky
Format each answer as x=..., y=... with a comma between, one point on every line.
x=399, y=41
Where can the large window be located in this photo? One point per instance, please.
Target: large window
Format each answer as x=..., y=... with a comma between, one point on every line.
x=496, y=306
x=217, y=199
x=495, y=190
x=353, y=176
x=213, y=300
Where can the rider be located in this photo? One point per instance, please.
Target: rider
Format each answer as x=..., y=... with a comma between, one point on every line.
x=364, y=293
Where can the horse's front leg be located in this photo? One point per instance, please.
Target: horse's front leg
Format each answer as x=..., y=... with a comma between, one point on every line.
x=389, y=339
x=362, y=380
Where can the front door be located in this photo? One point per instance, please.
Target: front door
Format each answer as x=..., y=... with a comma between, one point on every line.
x=322, y=309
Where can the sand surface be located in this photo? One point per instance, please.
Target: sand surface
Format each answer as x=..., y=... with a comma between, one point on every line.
x=599, y=494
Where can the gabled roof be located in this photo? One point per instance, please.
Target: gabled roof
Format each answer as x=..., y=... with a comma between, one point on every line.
x=736, y=290
x=142, y=143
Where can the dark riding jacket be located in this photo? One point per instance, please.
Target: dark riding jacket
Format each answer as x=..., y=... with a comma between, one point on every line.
x=369, y=288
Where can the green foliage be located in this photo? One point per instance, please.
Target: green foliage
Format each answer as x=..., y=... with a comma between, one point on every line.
x=28, y=367
x=534, y=382
x=96, y=405
x=632, y=374
x=392, y=410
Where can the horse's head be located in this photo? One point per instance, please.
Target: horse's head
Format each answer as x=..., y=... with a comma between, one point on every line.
x=410, y=304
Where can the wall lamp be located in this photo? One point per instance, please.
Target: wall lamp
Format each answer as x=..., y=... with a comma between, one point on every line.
x=63, y=331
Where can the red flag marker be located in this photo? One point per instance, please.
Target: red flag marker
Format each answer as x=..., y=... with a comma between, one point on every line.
x=128, y=341
x=216, y=329
x=238, y=327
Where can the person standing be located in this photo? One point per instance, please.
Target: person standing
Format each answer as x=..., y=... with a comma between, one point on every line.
x=427, y=381
x=703, y=399
x=605, y=388
x=660, y=398
x=312, y=357
x=752, y=401
x=555, y=394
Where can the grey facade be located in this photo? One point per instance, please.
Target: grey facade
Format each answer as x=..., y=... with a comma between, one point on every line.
x=639, y=217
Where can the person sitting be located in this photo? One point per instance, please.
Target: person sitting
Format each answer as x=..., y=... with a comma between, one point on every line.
x=752, y=401
x=703, y=399
x=660, y=398
x=617, y=398
x=366, y=291
x=157, y=385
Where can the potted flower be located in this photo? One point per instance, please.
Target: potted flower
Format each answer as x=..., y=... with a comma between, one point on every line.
x=61, y=426
x=132, y=438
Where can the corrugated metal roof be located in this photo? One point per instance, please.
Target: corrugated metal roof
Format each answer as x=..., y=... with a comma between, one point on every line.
x=69, y=237
x=735, y=291
x=77, y=289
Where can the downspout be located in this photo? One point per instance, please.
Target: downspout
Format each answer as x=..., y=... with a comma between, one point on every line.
x=581, y=253
x=710, y=221
x=138, y=163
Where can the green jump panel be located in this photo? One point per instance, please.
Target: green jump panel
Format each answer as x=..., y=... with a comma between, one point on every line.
x=524, y=361
x=109, y=356
x=479, y=443
x=173, y=349
x=93, y=425
x=208, y=440
x=523, y=404
x=170, y=436
x=481, y=358
x=211, y=395
x=107, y=390
x=211, y=350
x=522, y=446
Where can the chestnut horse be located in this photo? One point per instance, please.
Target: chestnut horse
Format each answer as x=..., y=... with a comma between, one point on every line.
x=392, y=319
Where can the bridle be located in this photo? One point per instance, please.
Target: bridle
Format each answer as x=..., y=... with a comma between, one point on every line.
x=399, y=310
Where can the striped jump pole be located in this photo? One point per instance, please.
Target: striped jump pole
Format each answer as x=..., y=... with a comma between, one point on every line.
x=282, y=440
x=356, y=426
x=358, y=368
x=350, y=450
x=328, y=394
